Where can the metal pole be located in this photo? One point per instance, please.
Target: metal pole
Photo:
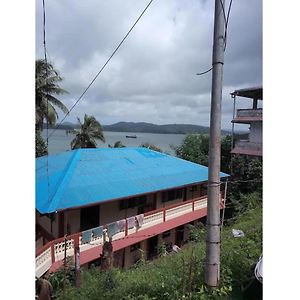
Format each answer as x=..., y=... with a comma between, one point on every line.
x=232, y=126
x=212, y=263
x=225, y=195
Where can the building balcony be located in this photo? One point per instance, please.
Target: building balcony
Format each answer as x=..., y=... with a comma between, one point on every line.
x=248, y=115
x=50, y=256
x=248, y=148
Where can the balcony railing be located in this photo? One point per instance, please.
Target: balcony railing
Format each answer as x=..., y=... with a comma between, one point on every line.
x=54, y=251
x=248, y=148
x=245, y=144
x=249, y=113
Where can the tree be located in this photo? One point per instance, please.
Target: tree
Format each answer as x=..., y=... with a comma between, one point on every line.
x=117, y=144
x=47, y=81
x=195, y=148
x=151, y=146
x=40, y=145
x=89, y=130
x=247, y=173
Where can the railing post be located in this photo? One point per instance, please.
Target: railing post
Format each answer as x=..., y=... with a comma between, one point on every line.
x=76, y=243
x=52, y=253
x=193, y=205
x=164, y=215
x=126, y=227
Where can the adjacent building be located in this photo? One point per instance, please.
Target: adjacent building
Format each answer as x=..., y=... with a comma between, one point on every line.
x=252, y=145
x=135, y=198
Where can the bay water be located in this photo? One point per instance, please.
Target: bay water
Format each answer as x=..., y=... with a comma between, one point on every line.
x=59, y=141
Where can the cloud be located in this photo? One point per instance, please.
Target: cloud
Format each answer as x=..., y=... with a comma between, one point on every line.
x=152, y=77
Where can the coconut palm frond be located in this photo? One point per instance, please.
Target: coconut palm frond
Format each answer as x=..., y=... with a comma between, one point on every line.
x=47, y=81
x=89, y=130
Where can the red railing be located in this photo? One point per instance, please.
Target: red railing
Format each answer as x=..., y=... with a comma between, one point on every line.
x=76, y=236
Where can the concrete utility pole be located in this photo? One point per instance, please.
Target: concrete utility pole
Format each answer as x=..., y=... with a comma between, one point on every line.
x=212, y=263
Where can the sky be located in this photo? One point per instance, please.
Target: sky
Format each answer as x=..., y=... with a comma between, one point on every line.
x=152, y=78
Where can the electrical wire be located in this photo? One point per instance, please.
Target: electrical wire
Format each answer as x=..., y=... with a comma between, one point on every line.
x=205, y=71
x=102, y=68
x=226, y=25
x=226, y=19
x=47, y=100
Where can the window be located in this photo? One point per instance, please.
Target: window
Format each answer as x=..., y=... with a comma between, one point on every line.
x=135, y=247
x=133, y=202
x=171, y=195
x=193, y=188
x=203, y=190
x=166, y=234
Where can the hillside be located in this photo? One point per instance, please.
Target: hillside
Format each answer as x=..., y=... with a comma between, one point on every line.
x=181, y=276
x=153, y=128
x=148, y=128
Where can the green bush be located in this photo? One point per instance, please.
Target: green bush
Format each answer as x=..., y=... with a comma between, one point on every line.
x=181, y=275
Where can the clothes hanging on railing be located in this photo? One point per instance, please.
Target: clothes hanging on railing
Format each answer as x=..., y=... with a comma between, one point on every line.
x=86, y=236
x=140, y=220
x=121, y=225
x=97, y=232
x=131, y=222
x=112, y=229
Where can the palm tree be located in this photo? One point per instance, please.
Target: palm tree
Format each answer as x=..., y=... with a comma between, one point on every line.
x=47, y=82
x=117, y=144
x=89, y=130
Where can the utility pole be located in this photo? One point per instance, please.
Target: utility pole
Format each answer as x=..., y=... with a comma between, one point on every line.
x=212, y=263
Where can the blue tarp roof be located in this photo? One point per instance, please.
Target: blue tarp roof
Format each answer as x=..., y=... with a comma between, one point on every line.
x=89, y=176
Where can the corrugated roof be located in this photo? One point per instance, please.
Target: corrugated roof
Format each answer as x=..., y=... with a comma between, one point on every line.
x=89, y=176
x=253, y=93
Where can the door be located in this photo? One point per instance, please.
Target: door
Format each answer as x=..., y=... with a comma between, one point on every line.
x=179, y=235
x=152, y=247
x=89, y=217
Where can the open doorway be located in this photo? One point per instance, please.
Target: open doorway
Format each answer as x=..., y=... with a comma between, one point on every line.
x=152, y=247
x=89, y=217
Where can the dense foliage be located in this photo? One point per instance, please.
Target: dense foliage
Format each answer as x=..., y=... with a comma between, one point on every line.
x=195, y=148
x=40, y=145
x=181, y=275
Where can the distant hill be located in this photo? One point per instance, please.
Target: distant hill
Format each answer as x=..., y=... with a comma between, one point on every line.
x=148, y=128
x=153, y=128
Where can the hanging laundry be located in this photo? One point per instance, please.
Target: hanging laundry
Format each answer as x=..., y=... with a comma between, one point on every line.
x=140, y=220
x=86, y=236
x=131, y=222
x=97, y=232
x=121, y=225
x=112, y=229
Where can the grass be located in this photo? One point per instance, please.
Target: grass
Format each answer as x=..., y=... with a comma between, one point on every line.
x=181, y=276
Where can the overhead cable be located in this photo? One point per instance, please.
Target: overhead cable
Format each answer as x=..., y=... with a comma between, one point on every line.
x=102, y=68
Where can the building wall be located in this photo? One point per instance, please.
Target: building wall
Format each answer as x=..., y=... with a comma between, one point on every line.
x=39, y=243
x=255, y=135
x=45, y=222
x=131, y=257
x=72, y=217
x=109, y=212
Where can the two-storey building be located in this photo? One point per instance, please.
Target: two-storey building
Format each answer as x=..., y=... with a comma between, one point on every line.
x=252, y=116
x=136, y=197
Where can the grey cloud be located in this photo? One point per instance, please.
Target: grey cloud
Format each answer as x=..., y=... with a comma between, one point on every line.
x=152, y=77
